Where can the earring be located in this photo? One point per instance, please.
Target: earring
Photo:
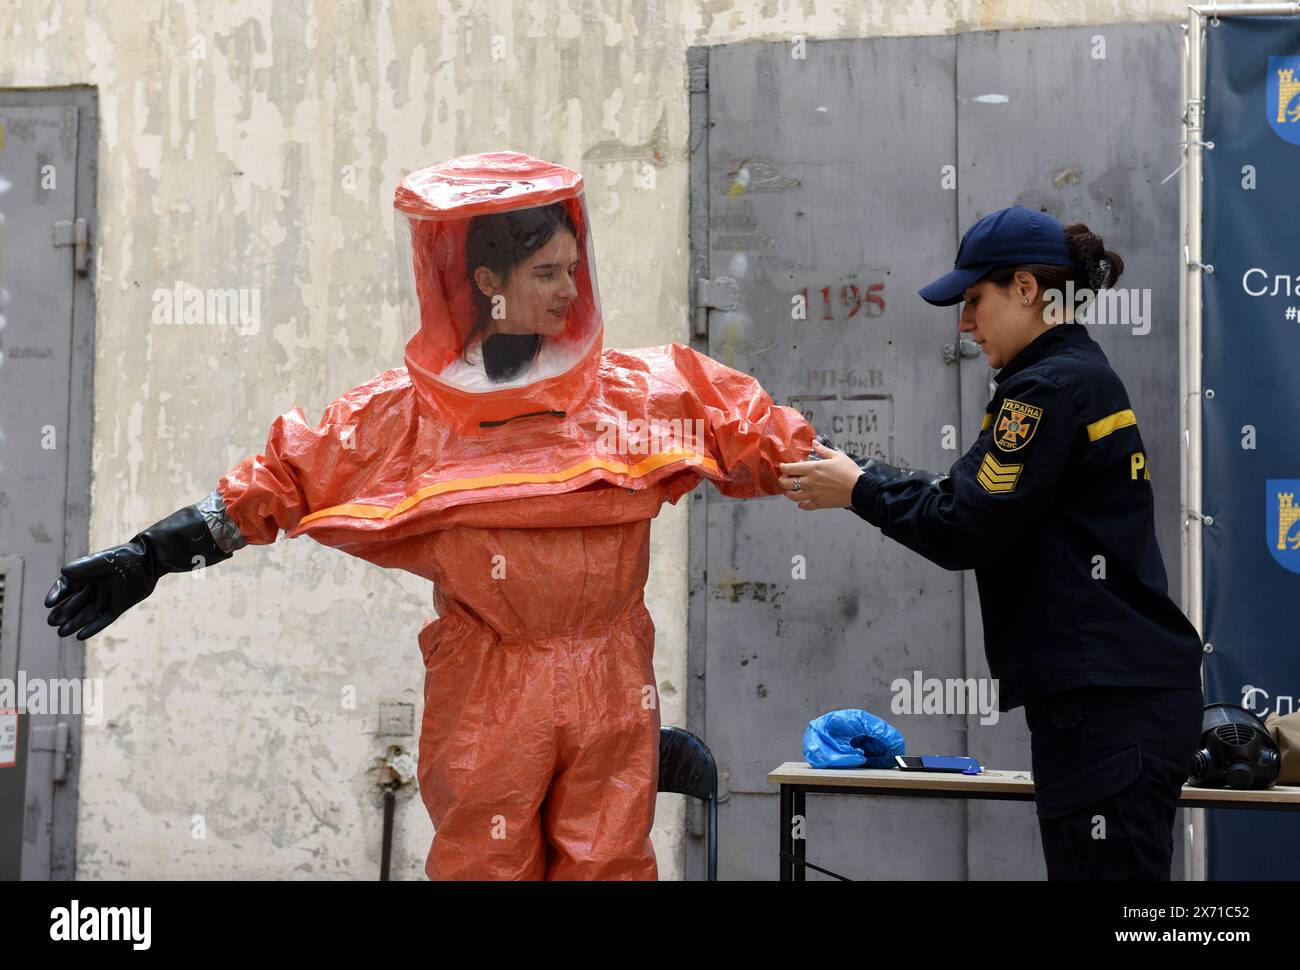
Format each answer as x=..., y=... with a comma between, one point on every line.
x=1026, y=301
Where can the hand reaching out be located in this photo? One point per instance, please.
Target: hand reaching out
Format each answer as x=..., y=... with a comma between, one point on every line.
x=822, y=484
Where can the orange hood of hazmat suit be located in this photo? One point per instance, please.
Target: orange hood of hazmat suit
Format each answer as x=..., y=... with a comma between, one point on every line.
x=523, y=488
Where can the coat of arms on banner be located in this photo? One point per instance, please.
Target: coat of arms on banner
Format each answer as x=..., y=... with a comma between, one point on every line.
x=1283, y=100
x=1282, y=518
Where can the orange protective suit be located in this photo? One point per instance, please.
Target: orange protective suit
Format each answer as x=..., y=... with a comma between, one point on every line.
x=527, y=503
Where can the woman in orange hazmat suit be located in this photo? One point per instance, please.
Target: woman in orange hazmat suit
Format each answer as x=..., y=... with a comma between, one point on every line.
x=516, y=464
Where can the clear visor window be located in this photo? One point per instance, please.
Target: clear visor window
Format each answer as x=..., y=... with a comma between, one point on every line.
x=499, y=299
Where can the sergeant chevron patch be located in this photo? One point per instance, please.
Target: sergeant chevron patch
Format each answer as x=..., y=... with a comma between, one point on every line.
x=996, y=477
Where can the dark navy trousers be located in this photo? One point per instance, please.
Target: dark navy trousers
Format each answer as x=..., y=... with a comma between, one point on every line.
x=1109, y=764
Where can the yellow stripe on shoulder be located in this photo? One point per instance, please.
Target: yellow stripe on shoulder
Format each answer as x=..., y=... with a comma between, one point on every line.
x=987, y=422
x=1110, y=423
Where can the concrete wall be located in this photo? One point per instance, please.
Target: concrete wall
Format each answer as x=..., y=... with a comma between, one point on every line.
x=256, y=145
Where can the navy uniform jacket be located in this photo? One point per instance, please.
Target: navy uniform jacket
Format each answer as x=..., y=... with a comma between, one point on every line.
x=1052, y=508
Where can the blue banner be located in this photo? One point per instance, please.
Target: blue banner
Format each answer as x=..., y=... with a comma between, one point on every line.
x=1251, y=405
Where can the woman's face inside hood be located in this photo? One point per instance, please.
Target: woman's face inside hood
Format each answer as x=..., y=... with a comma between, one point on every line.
x=523, y=267
x=498, y=297
x=499, y=300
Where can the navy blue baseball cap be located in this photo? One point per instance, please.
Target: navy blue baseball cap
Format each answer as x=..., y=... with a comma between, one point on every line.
x=1009, y=237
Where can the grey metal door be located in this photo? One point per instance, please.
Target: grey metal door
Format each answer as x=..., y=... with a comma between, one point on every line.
x=1089, y=131
x=820, y=185
x=46, y=336
x=845, y=177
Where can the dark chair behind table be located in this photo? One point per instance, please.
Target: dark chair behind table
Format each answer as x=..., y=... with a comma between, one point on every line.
x=686, y=766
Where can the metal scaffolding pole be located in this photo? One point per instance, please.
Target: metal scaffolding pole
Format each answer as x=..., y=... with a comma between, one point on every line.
x=1191, y=271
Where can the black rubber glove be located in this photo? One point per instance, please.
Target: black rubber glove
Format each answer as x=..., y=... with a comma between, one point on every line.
x=826, y=441
x=879, y=473
x=95, y=590
x=876, y=472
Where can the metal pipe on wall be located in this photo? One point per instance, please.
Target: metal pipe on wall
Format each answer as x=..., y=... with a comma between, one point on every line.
x=1189, y=352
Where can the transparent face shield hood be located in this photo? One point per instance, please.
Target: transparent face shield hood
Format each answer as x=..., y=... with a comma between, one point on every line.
x=496, y=273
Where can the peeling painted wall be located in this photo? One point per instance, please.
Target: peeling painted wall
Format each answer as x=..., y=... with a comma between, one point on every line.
x=256, y=145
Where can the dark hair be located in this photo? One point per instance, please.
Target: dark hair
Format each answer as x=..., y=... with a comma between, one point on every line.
x=1096, y=267
x=501, y=241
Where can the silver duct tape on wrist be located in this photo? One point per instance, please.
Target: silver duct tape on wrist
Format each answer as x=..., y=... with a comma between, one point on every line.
x=224, y=532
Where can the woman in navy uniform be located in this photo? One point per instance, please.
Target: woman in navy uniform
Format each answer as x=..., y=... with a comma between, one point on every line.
x=1052, y=509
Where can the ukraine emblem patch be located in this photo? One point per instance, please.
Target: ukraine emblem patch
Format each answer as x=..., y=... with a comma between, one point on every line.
x=1015, y=424
x=1282, y=521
